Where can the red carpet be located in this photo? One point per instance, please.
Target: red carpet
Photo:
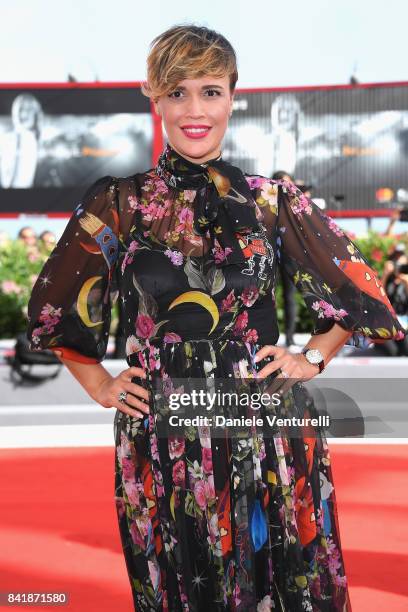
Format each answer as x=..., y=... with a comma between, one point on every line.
x=58, y=528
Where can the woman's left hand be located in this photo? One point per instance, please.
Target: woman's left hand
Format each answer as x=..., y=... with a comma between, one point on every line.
x=292, y=366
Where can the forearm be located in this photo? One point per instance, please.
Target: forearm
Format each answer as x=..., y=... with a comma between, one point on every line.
x=90, y=376
x=330, y=342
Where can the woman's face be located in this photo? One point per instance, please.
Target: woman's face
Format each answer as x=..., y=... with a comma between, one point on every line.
x=195, y=116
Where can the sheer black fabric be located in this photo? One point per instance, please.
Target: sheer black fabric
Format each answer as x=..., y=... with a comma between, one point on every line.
x=244, y=523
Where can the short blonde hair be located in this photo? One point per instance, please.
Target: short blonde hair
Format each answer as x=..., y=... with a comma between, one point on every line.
x=187, y=52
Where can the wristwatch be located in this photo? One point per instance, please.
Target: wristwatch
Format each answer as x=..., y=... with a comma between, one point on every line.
x=314, y=357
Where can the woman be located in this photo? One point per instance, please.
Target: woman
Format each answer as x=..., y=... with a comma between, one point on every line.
x=209, y=523
x=19, y=150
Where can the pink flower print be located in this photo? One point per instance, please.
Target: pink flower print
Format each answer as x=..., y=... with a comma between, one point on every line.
x=133, y=246
x=241, y=322
x=334, y=563
x=155, y=186
x=176, y=447
x=162, y=210
x=204, y=491
x=171, y=337
x=144, y=326
x=49, y=312
x=301, y=205
x=179, y=475
x=289, y=186
x=133, y=203
x=340, y=581
x=213, y=529
x=237, y=593
x=255, y=181
x=333, y=225
x=133, y=345
x=49, y=318
x=185, y=219
x=206, y=454
x=123, y=450
x=120, y=506
x=269, y=192
x=128, y=258
x=136, y=535
x=159, y=185
x=149, y=212
x=189, y=195
x=154, y=448
x=154, y=358
x=229, y=302
x=219, y=253
x=132, y=492
x=128, y=469
x=176, y=257
x=142, y=359
x=251, y=335
x=249, y=295
x=328, y=311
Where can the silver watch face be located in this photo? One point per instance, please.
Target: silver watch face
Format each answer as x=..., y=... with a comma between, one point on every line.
x=314, y=356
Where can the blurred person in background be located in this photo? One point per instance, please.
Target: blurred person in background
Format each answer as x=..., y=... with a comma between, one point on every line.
x=28, y=237
x=47, y=240
x=395, y=282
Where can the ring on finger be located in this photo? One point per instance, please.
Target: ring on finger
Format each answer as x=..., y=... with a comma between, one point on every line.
x=122, y=397
x=284, y=374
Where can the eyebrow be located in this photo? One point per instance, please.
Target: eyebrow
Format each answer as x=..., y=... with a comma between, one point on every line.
x=203, y=87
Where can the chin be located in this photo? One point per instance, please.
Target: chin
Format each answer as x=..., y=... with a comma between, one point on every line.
x=196, y=150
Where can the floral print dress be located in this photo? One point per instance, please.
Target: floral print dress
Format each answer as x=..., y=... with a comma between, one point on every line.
x=227, y=522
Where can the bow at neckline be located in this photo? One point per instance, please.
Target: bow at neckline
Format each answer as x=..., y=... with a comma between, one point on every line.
x=223, y=204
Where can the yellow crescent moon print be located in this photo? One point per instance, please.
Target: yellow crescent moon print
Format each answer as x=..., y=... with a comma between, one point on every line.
x=198, y=297
x=82, y=301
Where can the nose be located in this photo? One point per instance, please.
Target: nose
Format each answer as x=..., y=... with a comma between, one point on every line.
x=195, y=108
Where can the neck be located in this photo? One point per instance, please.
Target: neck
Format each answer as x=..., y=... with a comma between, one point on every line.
x=199, y=160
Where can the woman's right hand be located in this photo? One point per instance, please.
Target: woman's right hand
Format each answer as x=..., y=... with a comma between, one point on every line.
x=108, y=393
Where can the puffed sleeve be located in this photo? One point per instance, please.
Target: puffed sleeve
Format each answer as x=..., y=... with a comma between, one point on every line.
x=69, y=310
x=335, y=279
